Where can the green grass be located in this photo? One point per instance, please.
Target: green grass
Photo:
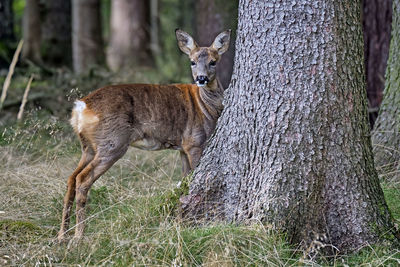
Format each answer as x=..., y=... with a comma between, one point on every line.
x=131, y=219
x=130, y=210
x=392, y=196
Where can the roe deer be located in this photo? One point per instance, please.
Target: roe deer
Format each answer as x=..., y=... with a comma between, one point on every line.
x=146, y=116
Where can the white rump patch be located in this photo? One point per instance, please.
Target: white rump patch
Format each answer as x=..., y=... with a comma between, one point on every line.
x=77, y=117
x=83, y=118
x=79, y=105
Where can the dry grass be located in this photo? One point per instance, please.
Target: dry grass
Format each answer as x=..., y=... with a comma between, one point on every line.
x=126, y=225
x=32, y=191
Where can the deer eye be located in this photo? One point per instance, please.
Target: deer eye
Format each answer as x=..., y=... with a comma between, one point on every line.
x=212, y=63
x=192, y=63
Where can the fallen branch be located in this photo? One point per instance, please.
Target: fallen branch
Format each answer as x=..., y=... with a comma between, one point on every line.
x=10, y=73
x=24, y=99
x=32, y=97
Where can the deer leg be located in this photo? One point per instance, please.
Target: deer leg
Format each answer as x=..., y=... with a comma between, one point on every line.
x=185, y=164
x=85, y=179
x=193, y=155
x=87, y=156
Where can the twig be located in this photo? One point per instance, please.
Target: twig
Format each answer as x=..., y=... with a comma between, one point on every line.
x=10, y=73
x=24, y=98
x=31, y=97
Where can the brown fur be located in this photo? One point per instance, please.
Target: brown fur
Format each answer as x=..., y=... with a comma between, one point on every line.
x=147, y=116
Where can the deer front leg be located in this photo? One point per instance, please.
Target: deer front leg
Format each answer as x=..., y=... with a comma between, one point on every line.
x=185, y=164
x=193, y=155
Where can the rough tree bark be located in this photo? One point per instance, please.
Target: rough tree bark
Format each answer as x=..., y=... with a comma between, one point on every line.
x=56, y=32
x=386, y=135
x=213, y=17
x=377, y=19
x=292, y=146
x=130, y=34
x=87, y=42
x=32, y=32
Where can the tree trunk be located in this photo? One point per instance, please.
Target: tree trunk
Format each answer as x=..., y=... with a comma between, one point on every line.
x=6, y=20
x=32, y=32
x=292, y=147
x=7, y=37
x=87, y=42
x=56, y=32
x=377, y=18
x=386, y=135
x=130, y=38
x=154, y=27
x=213, y=17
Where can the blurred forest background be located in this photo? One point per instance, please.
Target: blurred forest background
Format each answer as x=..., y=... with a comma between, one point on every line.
x=81, y=45
x=72, y=47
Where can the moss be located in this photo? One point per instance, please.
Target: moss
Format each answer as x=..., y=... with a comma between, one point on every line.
x=392, y=197
x=19, y=231
x=170, y=199
x=388, y=236
x=13, y=226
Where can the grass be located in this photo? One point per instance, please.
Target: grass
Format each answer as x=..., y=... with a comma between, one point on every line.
x=127, y=223
x=130, y=210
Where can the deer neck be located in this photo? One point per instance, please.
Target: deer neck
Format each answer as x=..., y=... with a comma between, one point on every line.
x=211, y=96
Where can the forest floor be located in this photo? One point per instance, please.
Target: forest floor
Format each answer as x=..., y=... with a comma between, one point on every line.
x=131, y=220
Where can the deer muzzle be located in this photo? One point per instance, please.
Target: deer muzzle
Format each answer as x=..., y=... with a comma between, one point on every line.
x=202, y=80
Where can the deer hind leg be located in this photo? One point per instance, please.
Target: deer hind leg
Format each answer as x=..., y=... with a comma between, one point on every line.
x=87, y=156
x=102, y=161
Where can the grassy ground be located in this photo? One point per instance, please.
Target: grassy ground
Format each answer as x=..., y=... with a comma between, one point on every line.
x=128, y=222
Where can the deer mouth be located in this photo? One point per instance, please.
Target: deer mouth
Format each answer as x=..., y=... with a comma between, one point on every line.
x=201, y=84
x=202, y=81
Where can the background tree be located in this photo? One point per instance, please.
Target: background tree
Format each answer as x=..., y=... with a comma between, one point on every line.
x=386, y=135
x=56, y=32
x=6, y=31
x=377, y=18
x=130, y=39
x=6, y=20
x=87, y=42
x=170, y=62
x=213, y=17
x=32, y=32
x=292, y=146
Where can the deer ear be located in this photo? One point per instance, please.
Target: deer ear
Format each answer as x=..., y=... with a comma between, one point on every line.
x=185, y=42
x=221, y=42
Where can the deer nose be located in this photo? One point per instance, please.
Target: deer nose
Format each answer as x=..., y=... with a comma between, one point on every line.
x=202, y=80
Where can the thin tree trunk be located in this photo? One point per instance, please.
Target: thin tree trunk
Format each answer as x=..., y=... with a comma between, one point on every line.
x=213, y=17
x=32, y=32
x=87, y=43
x=130, y=38
x=56, y=32
x=386, y=135
x=154, y=27
x=377, y=19
x=7, y=38
x=292, y=147
x=6, y=20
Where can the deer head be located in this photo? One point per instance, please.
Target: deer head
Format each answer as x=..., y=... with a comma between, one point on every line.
x=203, y=59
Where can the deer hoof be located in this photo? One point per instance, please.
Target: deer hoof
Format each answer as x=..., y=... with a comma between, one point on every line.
x=74, y=242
